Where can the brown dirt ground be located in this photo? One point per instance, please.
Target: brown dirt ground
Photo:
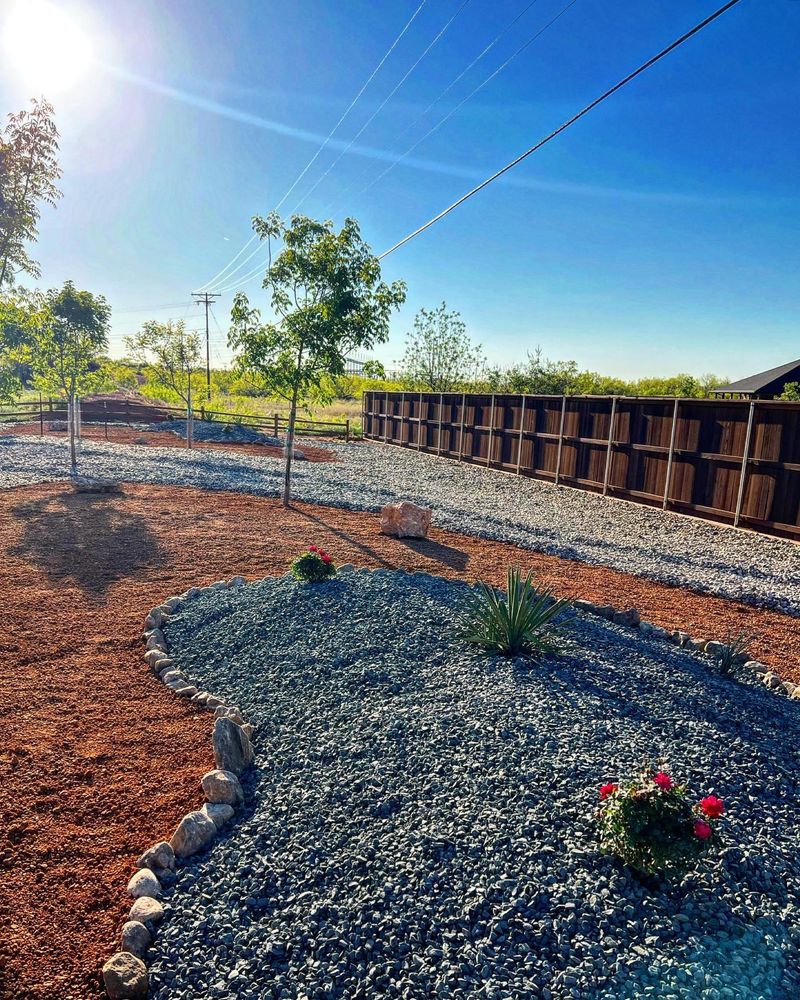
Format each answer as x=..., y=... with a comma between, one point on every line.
x=120, y=434
x=99, y=760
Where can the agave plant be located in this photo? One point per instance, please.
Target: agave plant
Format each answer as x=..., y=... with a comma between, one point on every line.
x=522, y=623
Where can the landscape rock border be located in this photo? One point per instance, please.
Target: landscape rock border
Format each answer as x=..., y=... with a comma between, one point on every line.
x=629, y=618
x=125, y=974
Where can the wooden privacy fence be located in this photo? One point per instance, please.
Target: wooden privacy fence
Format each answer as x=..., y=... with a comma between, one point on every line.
x=126, y=411
x=731, y=460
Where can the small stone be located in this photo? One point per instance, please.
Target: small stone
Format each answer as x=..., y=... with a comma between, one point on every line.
x=153, y=620
x=218, y=812
x=714, y=648
x=93, y=484
x=169, y=676
x=232, y=749
x=229, y=712
x=160, y=855
x=194, y=832
x=586, y=606
x=222, y=786
x=144, y=883
x=187, y=691
x=147, y=910
x=237, y=581
x=772, y=681
x=136, y=938
x=605, y=611
x=646, y=628
x=154, y=642
x=125, y=977
x=213, y=701
x=405, y=520
x=629, y=618
x=152, y=656
x=754, y=665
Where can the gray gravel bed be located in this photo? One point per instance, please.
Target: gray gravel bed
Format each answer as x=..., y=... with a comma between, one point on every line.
x=420, y=820
x=570, y=523
x=218, y=431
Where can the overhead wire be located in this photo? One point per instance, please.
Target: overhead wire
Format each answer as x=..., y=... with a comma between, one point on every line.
x=382, y=105
x=563, y=127
x=226, y=271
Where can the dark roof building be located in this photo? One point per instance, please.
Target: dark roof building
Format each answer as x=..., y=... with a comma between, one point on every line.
x=765, y=385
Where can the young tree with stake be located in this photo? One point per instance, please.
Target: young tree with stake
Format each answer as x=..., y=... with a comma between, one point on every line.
x=70, y=334
x=328, y=298
x=174, y=359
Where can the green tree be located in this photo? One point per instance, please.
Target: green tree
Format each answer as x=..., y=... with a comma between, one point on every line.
x=173, y=359
x=328, y=299
x=70, y=333
x=439, y=355
x=373, y=369
x=20, y=315
x=28, y=174
x=791, y=391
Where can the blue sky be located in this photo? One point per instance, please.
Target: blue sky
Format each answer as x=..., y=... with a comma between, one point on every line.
x=658, y=234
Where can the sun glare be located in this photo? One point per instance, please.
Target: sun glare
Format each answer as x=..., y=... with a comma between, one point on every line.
x=46, y=47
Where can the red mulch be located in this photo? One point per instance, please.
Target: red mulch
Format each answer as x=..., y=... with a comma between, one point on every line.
x=120, y=434
x=99, y=760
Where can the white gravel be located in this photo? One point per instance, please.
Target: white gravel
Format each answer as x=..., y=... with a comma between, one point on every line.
x=641, y=540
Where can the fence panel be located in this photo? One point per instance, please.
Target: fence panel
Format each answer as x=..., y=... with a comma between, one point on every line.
x=736, y=461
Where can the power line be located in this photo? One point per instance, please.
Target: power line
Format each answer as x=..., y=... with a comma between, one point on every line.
x=472, y=93
x=444, y=93
x=325, y=142
x=380, y=107
x=589, y=107
x=206, y=298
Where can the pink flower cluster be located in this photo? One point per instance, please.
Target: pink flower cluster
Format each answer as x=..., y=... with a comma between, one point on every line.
x=711, y=807
x=321, y=553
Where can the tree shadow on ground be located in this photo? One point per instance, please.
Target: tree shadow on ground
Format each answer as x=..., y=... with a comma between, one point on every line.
x=367, y=550
x=88, y=539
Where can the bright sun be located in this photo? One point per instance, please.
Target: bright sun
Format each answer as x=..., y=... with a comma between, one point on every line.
x=47, y=48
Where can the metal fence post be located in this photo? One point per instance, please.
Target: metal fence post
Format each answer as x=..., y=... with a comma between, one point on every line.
x=439, y=435
x=610, y=445
x=491, y=435
x=671, y=455
x=461, y=435
x=521, y=432
x=403, y=422
x=743, y=473
x=561, y=437
x=386, y=419
x=419, y=426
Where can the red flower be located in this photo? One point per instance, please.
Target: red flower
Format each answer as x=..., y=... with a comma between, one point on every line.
x=712, y=806
x=326, y=558
x=702, y=829
x=663, y=781
x=312, y=548
x=606, y=790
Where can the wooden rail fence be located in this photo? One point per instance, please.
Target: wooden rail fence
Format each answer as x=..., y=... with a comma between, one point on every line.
x=736, y=461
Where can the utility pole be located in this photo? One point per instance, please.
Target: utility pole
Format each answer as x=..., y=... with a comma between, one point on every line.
x=204, y=298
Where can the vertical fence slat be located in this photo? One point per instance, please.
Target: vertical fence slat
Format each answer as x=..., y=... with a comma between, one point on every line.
x=561, y=437
x=743, y=473
x=463, y=417
x=386, y=419
x=671, y=455
x=610, y=447
x=491, y=435
x=521, y=432
x=439, y=434
x=419, y=426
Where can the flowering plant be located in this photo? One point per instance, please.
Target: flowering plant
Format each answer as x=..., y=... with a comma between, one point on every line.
x=650, y=824
x=313, y=566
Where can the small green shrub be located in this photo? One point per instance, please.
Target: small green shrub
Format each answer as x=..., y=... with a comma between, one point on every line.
x=650, y=825
x=522, y=623
x=734, y=646
x=313, y=566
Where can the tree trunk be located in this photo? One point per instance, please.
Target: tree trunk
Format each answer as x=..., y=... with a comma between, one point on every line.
x=288, y=450
x=73, y=454
x=189, y=417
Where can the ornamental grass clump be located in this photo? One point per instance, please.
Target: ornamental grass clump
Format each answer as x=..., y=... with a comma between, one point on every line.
x=651, y=825
x=736, y=646
x=314, y=566
x=524, y=623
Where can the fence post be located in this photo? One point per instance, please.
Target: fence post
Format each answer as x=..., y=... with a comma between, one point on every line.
x=521, y=431
x=202, y=412
x=386, y=420
x=402, y=417
x=610, y=445
x=671, y=455
x=439, y=434
x=419, y=426
x=461, y=435
x=561, y=437
x=41, y=417
x=491, y=435
x=364, y=414
x=347, y=431
x=743, y=473
x=275, y=422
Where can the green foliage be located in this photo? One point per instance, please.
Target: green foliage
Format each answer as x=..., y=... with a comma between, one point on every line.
x=171, y=357
x=69, y=334
x=326, y=292
x=440, y=355
x=791, y=391
x=650, y=825
x=314, y=566
x=20, y=316
x=736, y=644
x=524, y=623
x=28, y=172
x=373, y=369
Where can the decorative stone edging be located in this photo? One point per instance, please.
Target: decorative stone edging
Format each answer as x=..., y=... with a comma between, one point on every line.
x=125, y=973
x=710, y=647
